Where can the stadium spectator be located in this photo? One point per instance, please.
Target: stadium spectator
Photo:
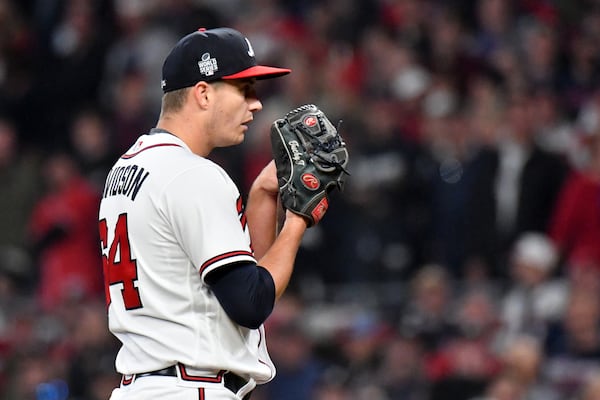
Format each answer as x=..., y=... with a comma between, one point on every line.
x=20, y=180
x=575, y=224
x=522, y=361
x=572, y=346
x=90, y=141
x=63, y=231
x=515, y=190
x=464, y=365
x=536, y=297
x=426, y=315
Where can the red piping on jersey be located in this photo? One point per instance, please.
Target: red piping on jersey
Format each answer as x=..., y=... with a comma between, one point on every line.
x=224, y=256
x=201, y=393
x=211, y=379
x=127, y=156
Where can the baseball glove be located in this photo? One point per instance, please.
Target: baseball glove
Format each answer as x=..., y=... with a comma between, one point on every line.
x=311, y=159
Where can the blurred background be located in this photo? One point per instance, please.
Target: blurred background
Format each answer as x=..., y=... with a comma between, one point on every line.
x=462, y=260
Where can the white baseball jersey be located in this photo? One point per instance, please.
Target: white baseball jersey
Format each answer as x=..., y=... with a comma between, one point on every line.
x=167, y=218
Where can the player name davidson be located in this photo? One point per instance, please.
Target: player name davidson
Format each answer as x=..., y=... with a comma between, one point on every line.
x=125, y=180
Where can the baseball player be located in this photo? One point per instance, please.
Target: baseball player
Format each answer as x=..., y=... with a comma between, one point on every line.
x=190, y=273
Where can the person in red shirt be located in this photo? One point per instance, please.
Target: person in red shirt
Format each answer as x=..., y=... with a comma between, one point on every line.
x=575, y=223
x=63, y=233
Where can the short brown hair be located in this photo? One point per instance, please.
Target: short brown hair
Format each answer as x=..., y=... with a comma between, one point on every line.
x=174, y=101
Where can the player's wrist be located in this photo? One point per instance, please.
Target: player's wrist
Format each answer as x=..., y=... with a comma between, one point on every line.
x=259, y=188
x=266, y=182
x=295, y=220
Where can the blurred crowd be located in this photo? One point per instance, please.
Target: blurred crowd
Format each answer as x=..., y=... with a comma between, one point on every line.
x=462, y=260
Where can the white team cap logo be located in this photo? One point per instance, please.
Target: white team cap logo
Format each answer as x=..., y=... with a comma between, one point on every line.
x=250, y=49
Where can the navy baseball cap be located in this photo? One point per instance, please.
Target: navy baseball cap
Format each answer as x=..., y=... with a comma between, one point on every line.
x=210, y=55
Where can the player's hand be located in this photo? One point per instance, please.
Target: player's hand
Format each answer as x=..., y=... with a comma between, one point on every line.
x=267, y=179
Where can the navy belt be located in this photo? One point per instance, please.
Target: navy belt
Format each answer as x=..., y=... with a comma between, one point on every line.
x=231, y=381
x=169, y=371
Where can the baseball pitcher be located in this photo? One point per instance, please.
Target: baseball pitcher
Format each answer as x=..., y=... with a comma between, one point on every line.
x=191, y=269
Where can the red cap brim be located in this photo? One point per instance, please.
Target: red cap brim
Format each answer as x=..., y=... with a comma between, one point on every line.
x=259, y=72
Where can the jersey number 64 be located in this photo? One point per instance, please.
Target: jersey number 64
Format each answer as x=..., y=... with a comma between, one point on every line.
x=118, y=265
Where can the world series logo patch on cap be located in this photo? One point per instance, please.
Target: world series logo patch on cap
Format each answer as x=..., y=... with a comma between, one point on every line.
x=208, y=65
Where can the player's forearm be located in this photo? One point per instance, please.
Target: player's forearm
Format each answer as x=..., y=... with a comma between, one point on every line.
x=280, y=258
x=261, y=213
x=261, y=210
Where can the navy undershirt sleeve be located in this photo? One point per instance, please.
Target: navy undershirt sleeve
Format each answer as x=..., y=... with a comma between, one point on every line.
x=246, y=292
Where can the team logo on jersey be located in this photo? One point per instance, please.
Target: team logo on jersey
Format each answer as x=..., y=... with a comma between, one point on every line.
x=310, y=181
x=239, y=205
x=310, y=121
x=207, y=65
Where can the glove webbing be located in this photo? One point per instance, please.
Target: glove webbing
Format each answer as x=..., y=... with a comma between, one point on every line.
x=323, y=148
